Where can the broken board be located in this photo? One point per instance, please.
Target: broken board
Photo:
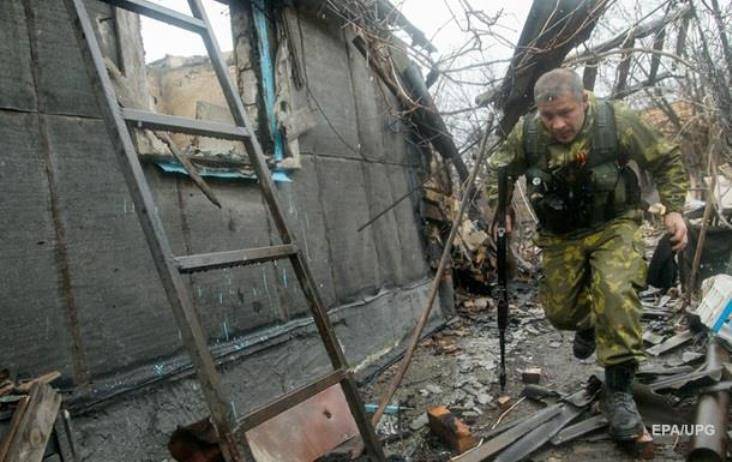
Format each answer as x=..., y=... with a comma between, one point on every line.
x=305, y=432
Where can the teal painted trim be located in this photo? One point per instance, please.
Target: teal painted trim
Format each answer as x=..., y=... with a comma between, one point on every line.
x=268, y=77
x=723, y=317
x=173, y=166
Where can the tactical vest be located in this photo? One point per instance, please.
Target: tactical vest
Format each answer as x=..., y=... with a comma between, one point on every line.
x=586, y=192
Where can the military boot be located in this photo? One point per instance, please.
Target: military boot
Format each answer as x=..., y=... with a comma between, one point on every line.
x=584, y=343
x=618, y=404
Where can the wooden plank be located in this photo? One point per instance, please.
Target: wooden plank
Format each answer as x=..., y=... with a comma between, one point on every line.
x=216, y=260
x=189, y=168
x=28, y=443
x=14, y=422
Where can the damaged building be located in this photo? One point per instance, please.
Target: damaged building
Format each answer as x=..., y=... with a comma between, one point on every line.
x=375, y=248
x=81, y=294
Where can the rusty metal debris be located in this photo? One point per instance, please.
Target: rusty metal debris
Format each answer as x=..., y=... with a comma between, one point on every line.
x=711, y=413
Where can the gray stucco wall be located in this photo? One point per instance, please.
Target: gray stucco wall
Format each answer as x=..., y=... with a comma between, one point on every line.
x=79, y=290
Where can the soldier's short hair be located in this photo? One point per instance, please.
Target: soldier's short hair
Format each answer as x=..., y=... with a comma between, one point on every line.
x=556, y=83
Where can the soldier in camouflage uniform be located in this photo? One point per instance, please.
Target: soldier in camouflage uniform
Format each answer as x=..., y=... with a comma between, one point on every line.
x=574, y=151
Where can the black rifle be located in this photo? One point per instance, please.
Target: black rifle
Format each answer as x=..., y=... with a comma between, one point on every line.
x=502, y=248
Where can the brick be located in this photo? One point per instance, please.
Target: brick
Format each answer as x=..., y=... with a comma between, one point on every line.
x=504, y=402
x=531, y=375
x=450, y=429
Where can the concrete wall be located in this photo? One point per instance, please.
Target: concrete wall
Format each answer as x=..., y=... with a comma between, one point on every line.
x=81, y=294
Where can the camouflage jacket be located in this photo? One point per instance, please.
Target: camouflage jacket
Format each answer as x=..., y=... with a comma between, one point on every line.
x=643, y=144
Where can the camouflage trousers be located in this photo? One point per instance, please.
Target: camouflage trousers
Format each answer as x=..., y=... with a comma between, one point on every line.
x=592, y=281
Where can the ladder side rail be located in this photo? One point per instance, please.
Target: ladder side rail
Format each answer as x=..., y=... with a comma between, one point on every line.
x=192, y=333
x=253, y=148
x=304, y=276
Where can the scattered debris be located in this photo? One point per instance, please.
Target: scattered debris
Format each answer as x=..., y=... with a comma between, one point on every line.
x=668, y=345
x=579, y=429
x=419, y=422
x=652, y=338
x=716, y=306
x=537, y=392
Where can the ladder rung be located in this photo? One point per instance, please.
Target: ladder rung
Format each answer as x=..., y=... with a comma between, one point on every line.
x=161, y=13
x=228, y=259
x=288, y=400
x=153, y=121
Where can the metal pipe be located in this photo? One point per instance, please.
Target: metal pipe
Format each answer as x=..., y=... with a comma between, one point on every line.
x=710, y=432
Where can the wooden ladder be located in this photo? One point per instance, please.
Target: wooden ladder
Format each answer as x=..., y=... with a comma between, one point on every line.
x=170, y=268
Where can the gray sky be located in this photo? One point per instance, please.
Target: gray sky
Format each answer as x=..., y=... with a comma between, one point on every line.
x=432, y=16
x=161, y=39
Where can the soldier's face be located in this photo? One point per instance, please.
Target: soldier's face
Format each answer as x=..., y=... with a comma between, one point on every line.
x=563, y=116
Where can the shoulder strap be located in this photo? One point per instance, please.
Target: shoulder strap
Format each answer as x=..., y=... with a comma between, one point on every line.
x=605, y=137
x=532, y=149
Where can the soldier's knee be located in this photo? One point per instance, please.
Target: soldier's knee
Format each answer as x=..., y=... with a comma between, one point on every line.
x=559, y=312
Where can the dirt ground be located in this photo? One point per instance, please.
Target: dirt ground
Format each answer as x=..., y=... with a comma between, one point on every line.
x=458, y=367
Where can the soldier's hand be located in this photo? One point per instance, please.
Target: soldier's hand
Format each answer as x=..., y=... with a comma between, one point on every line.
x=676, y=227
